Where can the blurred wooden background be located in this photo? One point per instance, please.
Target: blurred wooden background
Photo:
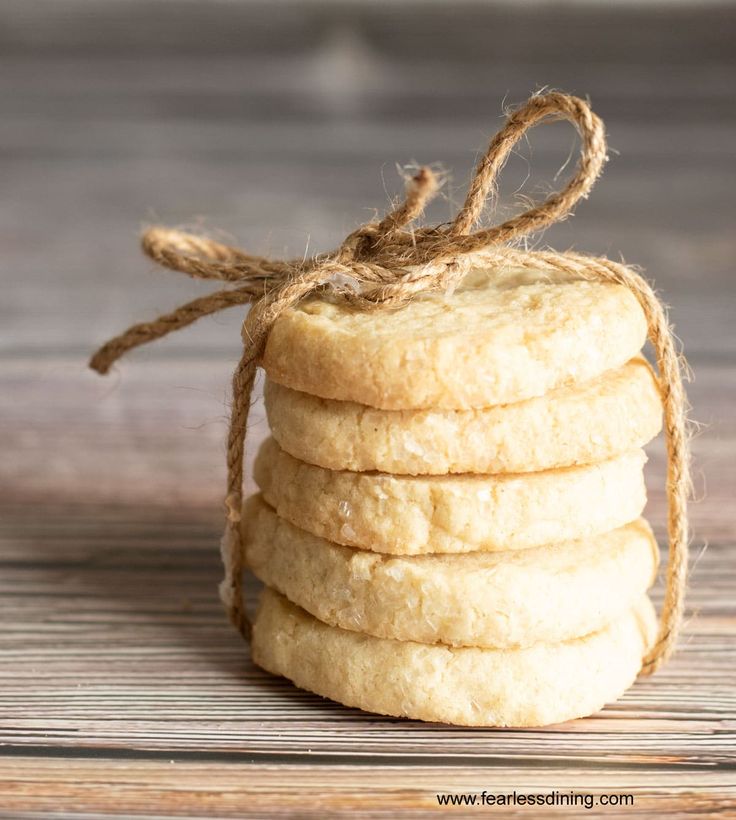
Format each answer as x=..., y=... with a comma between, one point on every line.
x=122, y=689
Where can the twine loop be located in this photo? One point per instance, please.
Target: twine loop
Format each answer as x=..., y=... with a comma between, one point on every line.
x=386, y=263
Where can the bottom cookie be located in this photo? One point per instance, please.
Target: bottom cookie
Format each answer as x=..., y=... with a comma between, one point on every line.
x=538, y=686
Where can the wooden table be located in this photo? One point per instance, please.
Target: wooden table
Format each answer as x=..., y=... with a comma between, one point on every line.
x=123, y=692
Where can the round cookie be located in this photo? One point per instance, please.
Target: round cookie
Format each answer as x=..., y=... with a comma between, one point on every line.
x=501, y=337
x=500, y=600
x=580, y=424
x=413, y=515
x=467, y=686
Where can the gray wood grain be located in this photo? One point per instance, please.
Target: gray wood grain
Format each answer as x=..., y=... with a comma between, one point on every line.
x=122, y=689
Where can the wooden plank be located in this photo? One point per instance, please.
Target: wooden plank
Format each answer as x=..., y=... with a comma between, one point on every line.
x=506, y=32
x=33, y=787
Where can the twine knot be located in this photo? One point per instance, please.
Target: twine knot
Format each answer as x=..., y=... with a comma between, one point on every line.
x=387, y=262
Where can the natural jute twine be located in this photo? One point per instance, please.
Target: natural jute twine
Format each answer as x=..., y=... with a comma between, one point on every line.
x=384, y=264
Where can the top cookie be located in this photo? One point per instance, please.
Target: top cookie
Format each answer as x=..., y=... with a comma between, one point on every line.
x=501, y=337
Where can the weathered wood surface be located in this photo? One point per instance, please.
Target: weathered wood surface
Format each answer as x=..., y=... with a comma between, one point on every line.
x=122, y=689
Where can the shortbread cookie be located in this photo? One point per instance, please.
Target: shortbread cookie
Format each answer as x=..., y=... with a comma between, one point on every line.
x=501, y=337
x=411, y=515
x=503, y=599
x=590, y=422
x=544, y=684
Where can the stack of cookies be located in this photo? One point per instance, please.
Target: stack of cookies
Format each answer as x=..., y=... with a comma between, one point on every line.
x=449, y=520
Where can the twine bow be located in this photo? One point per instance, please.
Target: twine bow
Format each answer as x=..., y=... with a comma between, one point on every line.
x=384, y=263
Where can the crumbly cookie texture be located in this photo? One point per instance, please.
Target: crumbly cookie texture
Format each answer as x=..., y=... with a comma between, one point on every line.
x=414, y=515
x=500, y=337
x=500, y=600
x=588, y=422
x=538, y=686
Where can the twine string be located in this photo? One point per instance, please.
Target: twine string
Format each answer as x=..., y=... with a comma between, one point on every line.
x=386, y=263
